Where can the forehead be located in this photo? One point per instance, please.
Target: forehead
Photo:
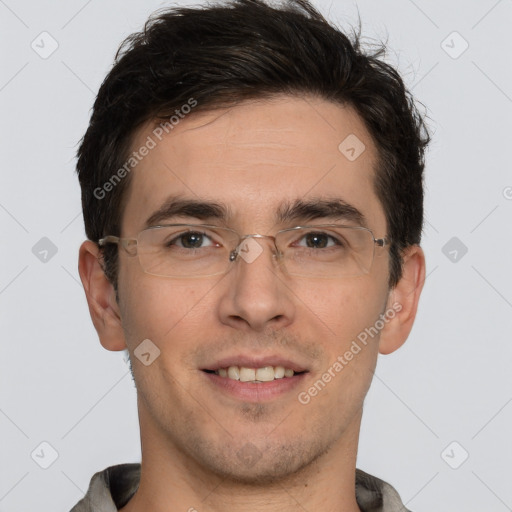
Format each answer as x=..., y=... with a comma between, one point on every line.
x=252, y=158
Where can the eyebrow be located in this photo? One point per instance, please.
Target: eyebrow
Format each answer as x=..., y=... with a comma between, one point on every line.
x=180, y=207
x=299, y=211
x=334, y=209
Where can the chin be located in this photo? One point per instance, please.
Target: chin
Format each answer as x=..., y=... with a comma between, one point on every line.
x=252, y=466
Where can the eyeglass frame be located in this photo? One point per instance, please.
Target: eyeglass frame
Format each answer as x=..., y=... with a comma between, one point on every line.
x=233, y=255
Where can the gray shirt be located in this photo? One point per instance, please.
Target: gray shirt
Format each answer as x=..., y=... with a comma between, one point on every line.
x=112, y=488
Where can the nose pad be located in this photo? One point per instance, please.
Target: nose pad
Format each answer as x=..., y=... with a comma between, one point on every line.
x=249, y=249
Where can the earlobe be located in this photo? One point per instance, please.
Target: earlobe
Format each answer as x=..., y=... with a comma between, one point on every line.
x=404, y=299
x=100, y=295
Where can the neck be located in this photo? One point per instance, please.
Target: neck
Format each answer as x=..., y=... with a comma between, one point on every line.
x=172, y=480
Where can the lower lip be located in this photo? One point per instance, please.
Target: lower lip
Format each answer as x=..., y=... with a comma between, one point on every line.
x=255, y=392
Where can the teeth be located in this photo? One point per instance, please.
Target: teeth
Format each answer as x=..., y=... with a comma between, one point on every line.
x=279, y=372
x=234, y=373
x=264, y=374
x=247, y=374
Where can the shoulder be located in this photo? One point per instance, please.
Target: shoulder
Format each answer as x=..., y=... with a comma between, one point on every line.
x=376, y=495
x=110, y=489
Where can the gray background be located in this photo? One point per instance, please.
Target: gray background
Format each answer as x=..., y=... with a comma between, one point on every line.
x=449, y=383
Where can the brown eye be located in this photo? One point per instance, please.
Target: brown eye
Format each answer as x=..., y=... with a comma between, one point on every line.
x=317, y=240
x=192, y=240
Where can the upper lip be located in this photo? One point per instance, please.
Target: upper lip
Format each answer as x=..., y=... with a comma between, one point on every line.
x=255, y=362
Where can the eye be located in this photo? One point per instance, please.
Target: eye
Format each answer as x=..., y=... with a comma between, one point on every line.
x=318, y=240
x=191, y=240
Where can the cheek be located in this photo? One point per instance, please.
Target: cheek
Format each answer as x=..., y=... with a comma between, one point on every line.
x=160, y=309
x=346, y=314
x=344, y=308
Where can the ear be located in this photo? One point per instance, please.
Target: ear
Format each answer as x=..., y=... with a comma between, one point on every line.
x=101, y=298
x=403, y=299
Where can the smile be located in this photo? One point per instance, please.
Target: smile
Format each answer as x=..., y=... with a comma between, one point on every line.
x=263, y=374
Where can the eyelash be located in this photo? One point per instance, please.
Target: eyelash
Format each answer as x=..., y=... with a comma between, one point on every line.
x=332, y=238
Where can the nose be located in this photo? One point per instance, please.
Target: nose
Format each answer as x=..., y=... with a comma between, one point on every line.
x=256, y=295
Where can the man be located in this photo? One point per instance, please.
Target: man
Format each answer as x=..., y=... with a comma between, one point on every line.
x=252, y=195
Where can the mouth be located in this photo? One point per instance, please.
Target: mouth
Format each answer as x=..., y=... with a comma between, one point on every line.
x=255, y=375
x=255, y=379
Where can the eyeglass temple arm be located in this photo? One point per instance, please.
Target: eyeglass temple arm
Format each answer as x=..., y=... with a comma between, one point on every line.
x=110, y=239
x=128, y=244
x=382, y=242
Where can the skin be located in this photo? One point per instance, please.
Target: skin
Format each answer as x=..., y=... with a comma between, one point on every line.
x=251, y=158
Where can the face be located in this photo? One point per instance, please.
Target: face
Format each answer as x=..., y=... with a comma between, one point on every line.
x=253, y=160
